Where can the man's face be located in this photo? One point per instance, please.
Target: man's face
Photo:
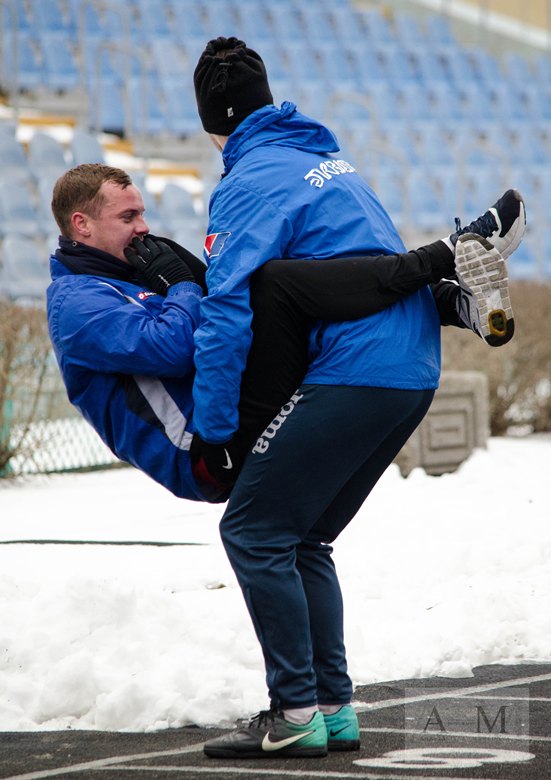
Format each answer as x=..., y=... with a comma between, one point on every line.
x=121, y=219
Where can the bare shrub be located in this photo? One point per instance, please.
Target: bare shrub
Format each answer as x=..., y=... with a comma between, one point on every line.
x=519, y=373
x=25, y=354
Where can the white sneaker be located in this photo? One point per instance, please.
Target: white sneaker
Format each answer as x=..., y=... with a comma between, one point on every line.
x=503, y=224
x=484, y=302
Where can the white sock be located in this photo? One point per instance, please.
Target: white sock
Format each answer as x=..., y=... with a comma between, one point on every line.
x=330, y=709
x=300, y=715
x=449, y=244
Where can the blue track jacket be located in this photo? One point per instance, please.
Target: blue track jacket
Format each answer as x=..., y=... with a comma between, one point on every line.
x=126, y=357
x=285, y=193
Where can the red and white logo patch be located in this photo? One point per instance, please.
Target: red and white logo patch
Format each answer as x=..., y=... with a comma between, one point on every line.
x=215, y=243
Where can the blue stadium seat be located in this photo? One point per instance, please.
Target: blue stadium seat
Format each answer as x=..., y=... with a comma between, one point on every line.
x=85, y=148
x=177, y=209
x=181, y=115
x=399, y=66
x=14, y=164
x=438, y=30
x=349, y=26
x=337, y=66
x=169, y=58
x=107, y=108
x=425, y=202
x=189, y=21
x=390, y=189
x=50, y=16
x=400, y=139
x=46, y=156
x=487, y=67
x=430, y=67
x=61, y=71
x=45, y=219
x=153, y=21
x=408, y=31
x=17, y=209
x=285, y=24
x=29, y=74
x=152, y=213
x=317, y=24
x=517, y=68
x=221, y=18
x=377, y=28
x=24, y=274
x=459, y=66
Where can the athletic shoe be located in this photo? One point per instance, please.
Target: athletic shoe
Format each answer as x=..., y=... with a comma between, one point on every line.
x=484, y=303
x=269, y=735
x=502, y=225
x=343, y=731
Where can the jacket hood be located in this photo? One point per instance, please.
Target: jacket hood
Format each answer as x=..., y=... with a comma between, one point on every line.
x=284, y=126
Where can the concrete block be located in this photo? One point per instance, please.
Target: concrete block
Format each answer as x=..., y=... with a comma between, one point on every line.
x=457, y=422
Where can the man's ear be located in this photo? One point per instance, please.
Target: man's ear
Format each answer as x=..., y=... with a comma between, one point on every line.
x=79, y=223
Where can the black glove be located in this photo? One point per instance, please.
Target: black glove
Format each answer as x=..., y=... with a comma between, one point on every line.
x=159, y=265
x=214, y=465
x=197, y=267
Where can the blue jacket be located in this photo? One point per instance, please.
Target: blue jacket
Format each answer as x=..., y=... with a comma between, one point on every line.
x=285, y=194
x=126, y=357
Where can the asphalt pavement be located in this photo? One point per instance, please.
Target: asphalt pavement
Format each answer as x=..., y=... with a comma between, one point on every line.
x=495, y=725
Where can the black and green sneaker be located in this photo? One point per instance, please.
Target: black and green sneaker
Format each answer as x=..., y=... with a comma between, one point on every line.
x=269, y=735
x=343, y=730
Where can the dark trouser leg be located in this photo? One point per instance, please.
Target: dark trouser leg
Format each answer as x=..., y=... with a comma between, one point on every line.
x=294, y=495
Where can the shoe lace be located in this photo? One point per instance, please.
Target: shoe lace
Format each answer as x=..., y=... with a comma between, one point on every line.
x=262, y=718
x=483, y=226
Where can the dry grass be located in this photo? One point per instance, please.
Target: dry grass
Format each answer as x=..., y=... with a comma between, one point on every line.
x=519, y=373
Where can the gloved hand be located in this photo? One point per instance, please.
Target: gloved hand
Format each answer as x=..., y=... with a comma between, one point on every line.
x=159, y=265
x=197, y=267
x=214, y=465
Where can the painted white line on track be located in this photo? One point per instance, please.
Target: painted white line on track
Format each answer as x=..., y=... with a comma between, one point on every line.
x=239, y=770
x=102, y=763
x=455, y=693
x=444, y=734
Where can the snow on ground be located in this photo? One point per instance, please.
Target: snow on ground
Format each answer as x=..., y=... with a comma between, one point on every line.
x=439, y=574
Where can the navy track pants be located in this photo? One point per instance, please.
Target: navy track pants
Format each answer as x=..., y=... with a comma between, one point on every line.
x=303, y=481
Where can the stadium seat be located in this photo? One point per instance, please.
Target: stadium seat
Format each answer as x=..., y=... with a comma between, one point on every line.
x=152, y=213
x=45, y=219
x=61, y=71
x=46, y=156
x=377, y=28
x=17, y=209
x=153, y=21
x=177, y=206
x=189, y=21
x=348, y=26
x=181, y=116
x=14, y=164
x=408, y=31
x=317, y=25
x=85, y=148
x=107, y=108
x=24, y=273
x=50, y=16
x=29, y=74
x=438, y=31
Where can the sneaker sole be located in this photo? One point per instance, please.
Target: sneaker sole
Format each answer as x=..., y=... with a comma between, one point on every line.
x=515, y=233
x=343, y=744
x=482, y=270
x=313, y=752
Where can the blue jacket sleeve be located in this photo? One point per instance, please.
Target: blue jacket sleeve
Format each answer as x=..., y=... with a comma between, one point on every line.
x=95, y=326
x=255, y=231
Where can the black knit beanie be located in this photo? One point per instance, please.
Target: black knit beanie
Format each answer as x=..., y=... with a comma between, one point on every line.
x=229, y=87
